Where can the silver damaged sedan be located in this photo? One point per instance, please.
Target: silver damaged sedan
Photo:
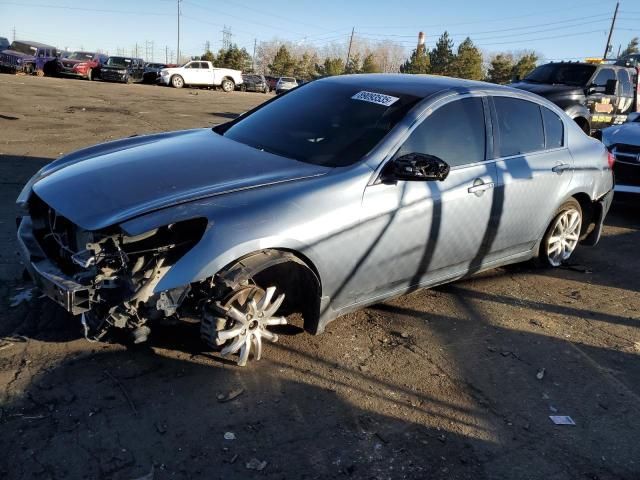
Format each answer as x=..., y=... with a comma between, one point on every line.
x=336, y=195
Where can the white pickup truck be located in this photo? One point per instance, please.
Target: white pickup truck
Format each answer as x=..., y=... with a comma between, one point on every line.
x=201, y=73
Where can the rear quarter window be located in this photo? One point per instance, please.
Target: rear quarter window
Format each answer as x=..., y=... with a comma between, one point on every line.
x=553, y=129
x=520, y=127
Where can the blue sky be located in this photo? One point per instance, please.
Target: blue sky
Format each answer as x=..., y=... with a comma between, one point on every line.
x=559, y=29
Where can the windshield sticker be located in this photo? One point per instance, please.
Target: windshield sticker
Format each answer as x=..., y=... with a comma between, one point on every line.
x=377, y=98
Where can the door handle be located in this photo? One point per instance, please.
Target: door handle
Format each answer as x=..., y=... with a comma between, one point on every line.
x=561, y=168
x=479, y=188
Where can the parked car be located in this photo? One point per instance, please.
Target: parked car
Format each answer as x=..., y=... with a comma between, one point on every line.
x=152, y=72
x=4, y=43
x=623, y=141
x=342, y=193
x=29, y=57
x=254, y=83
x=122, y=69
x=82, y=64
x=272, y=82
x=284, y=84
x=594, y=95
x=202, y=74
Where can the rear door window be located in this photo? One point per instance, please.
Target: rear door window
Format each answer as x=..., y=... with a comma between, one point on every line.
x=625, y=83
x=519, y=128
x=454, y=133
x=553, y=129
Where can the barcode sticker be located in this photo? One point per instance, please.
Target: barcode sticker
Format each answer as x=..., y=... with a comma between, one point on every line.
x=377, y=98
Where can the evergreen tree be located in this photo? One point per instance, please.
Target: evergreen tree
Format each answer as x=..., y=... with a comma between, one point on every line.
x=369, y=65
x=283, y=63
x=501, y=68
x=525, y=64
x=305, y=68
x=441, y=56
x=233, y=57
x=632, y=47
x=418, y=62
x=468, y=62
x=332, y=66
x=208, y=56
x=354, y=64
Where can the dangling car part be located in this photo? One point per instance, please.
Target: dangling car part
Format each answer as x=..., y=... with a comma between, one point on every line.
x=340, y=193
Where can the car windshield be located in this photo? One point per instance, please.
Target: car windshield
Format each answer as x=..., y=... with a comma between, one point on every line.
x=562, y=73
x=23, y=48
x=81, y=56
x=287, y=79
x=118, y=61
x=324, y=123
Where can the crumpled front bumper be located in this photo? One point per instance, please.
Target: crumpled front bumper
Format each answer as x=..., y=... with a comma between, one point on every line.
x=66, y=292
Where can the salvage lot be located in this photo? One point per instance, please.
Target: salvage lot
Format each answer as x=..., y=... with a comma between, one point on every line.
x=455, y=382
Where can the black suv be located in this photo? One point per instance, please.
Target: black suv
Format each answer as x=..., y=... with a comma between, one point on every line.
x=596, y=96
x=254, y=83
x=123, y=69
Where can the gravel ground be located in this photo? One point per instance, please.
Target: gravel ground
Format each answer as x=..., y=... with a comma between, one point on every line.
x=457, y=382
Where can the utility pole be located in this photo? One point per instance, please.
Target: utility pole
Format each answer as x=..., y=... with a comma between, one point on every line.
x=349, y=51
x=613, y=22
x=14, y=33
x=226, y=38
x=178, y=49
x=166, y=55
x=253, y=59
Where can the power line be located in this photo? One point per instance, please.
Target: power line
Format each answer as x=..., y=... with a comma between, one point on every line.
x=83, y=9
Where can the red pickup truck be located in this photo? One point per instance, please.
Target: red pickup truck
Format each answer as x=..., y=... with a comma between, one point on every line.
x=82, y=64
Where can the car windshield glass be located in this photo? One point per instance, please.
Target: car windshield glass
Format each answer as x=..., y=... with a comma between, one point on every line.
x=563, y=73
x=287, y=79
x=80, y=56
x=118, y=61
x=322, y=123
x=23, y=48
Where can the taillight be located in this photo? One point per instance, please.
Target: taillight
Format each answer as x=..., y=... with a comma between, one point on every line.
x=611, y=159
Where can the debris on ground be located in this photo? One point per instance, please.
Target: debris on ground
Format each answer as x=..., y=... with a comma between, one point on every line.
x=562, y=420
x=255, y=464
x=23, y=295
x=233, y=394
x=540, y=374
x=229, y=436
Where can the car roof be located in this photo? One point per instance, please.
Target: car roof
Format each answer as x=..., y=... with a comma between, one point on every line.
x=35, y=44
x=410, y=84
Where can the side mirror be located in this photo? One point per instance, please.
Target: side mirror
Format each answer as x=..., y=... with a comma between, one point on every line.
x=418, y=166
x=611, y=88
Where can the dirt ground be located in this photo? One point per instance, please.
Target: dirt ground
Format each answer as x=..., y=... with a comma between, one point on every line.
x=439, y=384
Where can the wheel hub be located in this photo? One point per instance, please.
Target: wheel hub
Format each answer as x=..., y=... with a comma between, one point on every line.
x=564, y=237
x=250, y=311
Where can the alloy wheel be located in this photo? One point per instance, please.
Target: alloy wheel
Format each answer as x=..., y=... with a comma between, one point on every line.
x=564, y=236
x=250, y=311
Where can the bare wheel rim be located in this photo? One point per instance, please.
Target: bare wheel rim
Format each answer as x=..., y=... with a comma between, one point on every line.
x=564, y=236
x=177, y=82
x=250, y=314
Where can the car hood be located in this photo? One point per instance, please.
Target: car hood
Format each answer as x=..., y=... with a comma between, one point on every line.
x=17, y=54
x=625, y=134
x=548, y=90
x=110, y=183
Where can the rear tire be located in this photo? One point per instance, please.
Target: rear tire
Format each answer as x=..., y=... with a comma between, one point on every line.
x=227, y=85
x=562, y=235
x=177, y=81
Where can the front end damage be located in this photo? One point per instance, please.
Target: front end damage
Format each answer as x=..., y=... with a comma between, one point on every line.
x=106, y=277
